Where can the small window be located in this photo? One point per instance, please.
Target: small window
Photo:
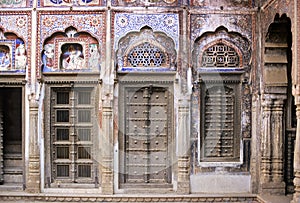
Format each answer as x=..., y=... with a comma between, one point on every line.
x=62, y=170
x=84, y=98
x=84, y=116
x=62, y=152
x=62, y=134
x=84, y=152
x=84, y=171
x=220, y=56
x=62, y=98
x=146, y=55
x=62, y=116
x=84, y=134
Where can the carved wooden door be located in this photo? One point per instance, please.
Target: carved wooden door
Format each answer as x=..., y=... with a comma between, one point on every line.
x=147, y=120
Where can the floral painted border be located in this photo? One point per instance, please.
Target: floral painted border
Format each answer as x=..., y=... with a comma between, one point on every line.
x=127, y=22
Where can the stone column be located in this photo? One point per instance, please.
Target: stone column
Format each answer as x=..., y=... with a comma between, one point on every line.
x=272, y=181
x=183, y=185
x=266, y=143
x=33, y=175
x=277, y=142
x=107, y=147
x=296, y=197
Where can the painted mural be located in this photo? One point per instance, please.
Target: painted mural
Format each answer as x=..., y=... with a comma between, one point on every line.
x=165, y=23
x=47, y=3
x=12, y=56
x=13, y=3
x=71, y=54
x=71, y=42
x=145, y=2
x=14, y=40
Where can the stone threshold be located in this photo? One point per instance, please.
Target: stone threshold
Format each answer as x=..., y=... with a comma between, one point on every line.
x=77, y=197
x=21, y=196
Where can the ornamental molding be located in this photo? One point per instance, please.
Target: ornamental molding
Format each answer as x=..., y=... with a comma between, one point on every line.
x=222, y=35
x=125, y=23
x=17, y=22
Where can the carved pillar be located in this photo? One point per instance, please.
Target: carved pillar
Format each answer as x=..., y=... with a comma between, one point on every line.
x=272, y=145
x=296, y=197
x=183, y=185
x=277, y=142
x=266, y=143
x=34, y=176
x=107, y=142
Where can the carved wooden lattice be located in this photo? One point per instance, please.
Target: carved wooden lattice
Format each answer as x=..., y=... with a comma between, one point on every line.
x=72, y=134
x=146, y=55
x=220, y=55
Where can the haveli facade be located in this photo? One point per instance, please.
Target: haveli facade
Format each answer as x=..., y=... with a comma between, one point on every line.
x=174, y=100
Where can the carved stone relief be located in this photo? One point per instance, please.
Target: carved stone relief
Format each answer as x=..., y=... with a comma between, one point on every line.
x=155, y=50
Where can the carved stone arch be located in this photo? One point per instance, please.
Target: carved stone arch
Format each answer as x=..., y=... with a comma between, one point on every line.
x=221, y=35
x=146, y=35
x=225, y=47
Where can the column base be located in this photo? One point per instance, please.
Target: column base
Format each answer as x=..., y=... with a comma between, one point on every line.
x=183, y=187
x=273, y=188
x=107, y=190
x=33, y=184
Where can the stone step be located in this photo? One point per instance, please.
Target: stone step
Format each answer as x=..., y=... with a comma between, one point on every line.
x=13, y=170
x=8, y=178
x=13, y=160
x=11, y=187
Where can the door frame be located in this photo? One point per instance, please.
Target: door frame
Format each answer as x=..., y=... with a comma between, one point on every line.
x=18, y=82
x=140, y=80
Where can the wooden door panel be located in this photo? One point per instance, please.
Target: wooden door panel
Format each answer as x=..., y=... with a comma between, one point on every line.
x=146, y=136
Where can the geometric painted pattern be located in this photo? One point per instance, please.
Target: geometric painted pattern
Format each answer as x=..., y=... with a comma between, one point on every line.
x=166, y=23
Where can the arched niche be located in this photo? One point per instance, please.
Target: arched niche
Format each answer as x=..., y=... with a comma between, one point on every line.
x=71, y=51
x=146, y=51
x=13, y=55
x=231, y=41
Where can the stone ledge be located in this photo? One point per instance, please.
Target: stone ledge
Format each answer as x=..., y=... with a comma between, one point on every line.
x=42, y=197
